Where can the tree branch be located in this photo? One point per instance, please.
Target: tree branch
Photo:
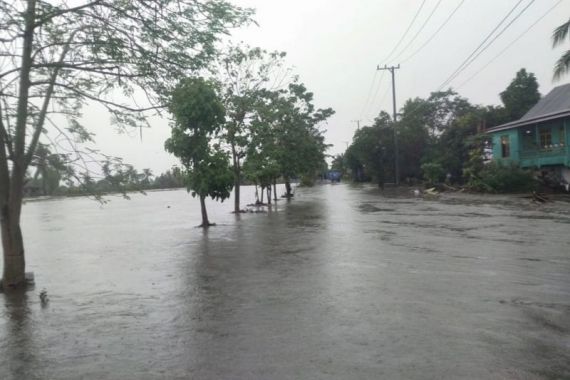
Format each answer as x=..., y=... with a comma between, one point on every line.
x=4, y=173
x=61, y=12
x=49, y=92
x=102, y=101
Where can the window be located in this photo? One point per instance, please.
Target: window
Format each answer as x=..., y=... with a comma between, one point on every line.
x=562, y=135
x=528, y=139
x=505, y=146
x=545, y=138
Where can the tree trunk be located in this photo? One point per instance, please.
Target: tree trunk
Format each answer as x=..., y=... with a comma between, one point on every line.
x=288, y=193
x=237, y=179
x=275, y=189
x=13, y=247
x=237, y=208
x=205, y=221
x=262, y=191
x=11, y=189
x=269, y=194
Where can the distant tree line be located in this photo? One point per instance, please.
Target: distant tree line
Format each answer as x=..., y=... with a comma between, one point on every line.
x=440, y=137
x=52, y=180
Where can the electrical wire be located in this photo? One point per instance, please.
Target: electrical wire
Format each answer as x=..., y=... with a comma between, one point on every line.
x=369, y=94
x=406, y=32
x=510, y=45
x=375, y=94
x=493, y=40
x=419, y=31
x=459, y=68
x=435, y=33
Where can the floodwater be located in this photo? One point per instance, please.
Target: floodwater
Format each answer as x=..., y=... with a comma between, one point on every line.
x=341, y=283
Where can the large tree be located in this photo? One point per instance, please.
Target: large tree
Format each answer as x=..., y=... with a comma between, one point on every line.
x=198, y=117
x=56, y=56
x=287, y=129
x=520, y=95
x=244, y=75
x=371, y=154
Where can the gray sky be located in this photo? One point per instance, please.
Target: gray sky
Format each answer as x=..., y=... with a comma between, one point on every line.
x=335, y=45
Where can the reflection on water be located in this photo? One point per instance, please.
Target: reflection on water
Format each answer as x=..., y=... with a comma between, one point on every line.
x=342, y=282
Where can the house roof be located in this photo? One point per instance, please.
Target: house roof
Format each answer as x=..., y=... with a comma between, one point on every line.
x=554, y=105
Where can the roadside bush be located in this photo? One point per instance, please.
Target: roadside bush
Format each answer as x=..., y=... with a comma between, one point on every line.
x=307, y=181
x=499, y=178
x=433, y=172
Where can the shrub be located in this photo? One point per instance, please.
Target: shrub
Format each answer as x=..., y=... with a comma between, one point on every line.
x=433, y=172
x=499, y=178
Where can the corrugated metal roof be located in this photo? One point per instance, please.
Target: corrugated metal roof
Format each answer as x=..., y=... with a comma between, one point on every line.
x=557, y=100
x=554, y=105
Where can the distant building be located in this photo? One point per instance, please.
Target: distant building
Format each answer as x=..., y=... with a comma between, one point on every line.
x=540, y=138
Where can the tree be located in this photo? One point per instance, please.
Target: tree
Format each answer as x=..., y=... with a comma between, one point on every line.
x=244, y=74
x=198, y=117
x=371, y=154
x=558, y=37
x=288, y=129
x=339, y=163
x=521, y=95
x=57, y=57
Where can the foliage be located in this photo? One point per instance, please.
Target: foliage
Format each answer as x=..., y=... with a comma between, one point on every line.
x=441, y=134
x=558, y=38
x=498, y=178
x=198, y=117
x=520, y=95
x=286, y=139
x=244, y=75
x=433, y=172
x=371, y=152
x=58, y=56
x=476, y=158
x=212, y=177
x=339, y=163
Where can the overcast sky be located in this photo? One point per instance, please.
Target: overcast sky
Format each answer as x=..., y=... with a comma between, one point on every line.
x=335, y=46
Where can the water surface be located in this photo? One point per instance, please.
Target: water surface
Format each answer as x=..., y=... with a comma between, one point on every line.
x=343, y=282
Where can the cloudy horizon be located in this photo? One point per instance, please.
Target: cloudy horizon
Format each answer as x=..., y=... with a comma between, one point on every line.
x=334, y=46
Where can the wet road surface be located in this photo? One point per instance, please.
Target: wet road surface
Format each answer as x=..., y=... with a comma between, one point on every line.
x=341, y=283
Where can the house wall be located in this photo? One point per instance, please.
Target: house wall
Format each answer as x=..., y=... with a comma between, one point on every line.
x=555, y=155
x=514, y=143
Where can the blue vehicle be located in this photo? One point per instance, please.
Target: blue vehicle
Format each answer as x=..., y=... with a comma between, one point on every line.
x=334, y=175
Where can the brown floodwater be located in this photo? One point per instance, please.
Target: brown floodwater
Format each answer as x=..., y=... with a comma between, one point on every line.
x=344, y=282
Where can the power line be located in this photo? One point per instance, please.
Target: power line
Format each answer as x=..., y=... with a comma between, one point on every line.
x=369, y=93
x=407, y=31
x=418, y=107
x=435, y=33
x=375, y=93
x=418, y=32
x=510, y=44
x=367, y=103
x=480, y=45
x=493, y=40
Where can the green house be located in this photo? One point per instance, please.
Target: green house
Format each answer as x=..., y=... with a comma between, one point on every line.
x=540, y=139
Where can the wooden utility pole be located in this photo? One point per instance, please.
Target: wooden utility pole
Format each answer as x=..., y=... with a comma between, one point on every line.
x=357, y=123
x=392, y=70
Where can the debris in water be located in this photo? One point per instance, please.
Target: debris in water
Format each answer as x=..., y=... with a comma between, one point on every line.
x=44, y=299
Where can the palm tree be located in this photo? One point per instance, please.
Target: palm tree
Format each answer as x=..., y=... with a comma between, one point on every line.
x=558, y=37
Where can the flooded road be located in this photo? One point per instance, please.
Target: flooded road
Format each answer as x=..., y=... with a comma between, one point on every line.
x=341, y=283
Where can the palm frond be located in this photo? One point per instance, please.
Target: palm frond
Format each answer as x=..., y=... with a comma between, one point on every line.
x=560, y=34
x=562, y=66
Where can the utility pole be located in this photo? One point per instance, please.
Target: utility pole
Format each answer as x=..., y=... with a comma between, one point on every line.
x=392, y=70
x=357, y=123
